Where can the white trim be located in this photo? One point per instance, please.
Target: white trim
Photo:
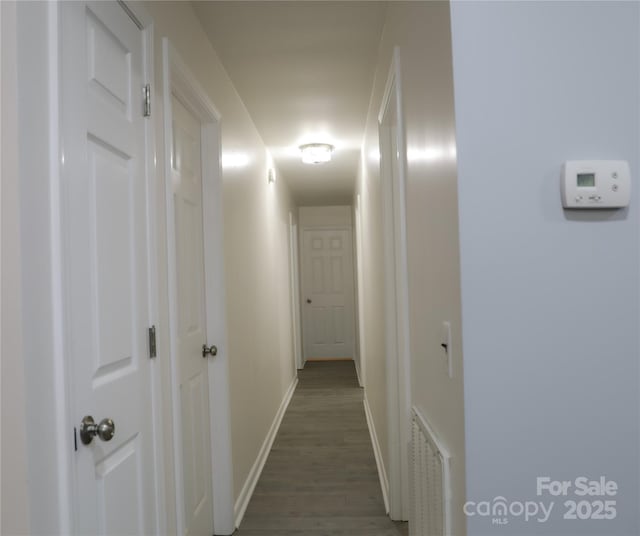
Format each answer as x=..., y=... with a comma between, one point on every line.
x=295, y=292
x=63, y=380
x=219, y=396
x=397, y=299
x=296, y=312
x=178, y=80
x=361, y=369
x=377, y=452
x=360, y=382
x=172, y=291
x=256, y=470
x=144, y=18
x=50, y=470
x=299, y=235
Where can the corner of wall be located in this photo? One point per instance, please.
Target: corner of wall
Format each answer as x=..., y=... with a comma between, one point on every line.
x=421, y=33
x=14, y=514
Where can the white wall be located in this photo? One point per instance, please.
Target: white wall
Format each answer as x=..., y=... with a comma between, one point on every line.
x=422, y=31
x=256, y=234
x=372, y=282
x=550, y=297
x=325, y=216
x=14, y=503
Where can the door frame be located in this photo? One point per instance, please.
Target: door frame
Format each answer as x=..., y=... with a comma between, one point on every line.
x=294, y=282
x=398, y=358
x=39, y=84
x=178, y=79
x=359, y=276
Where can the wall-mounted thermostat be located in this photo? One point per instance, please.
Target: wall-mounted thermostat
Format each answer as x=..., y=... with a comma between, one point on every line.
x=596, y=184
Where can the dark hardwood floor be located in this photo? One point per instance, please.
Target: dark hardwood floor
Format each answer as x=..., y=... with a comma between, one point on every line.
x=321, y=477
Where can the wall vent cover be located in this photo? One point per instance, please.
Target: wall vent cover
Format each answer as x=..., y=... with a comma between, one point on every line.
x=430, y=513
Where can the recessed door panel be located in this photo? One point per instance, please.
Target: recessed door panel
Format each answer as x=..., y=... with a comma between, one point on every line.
x=186, y=153
x=317, y=275
x=111, y=175
x=194, y=397
x=319, y=324
x=336, y=274
x=120, y=486
x=190, y=291
x=109, y=65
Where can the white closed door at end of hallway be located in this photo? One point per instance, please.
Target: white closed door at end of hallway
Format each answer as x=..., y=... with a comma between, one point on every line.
x=327, y=294
x=105, y=294
x=186, y=170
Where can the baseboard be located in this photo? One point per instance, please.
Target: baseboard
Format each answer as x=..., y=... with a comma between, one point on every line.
x=242, y=502
x=382, y=473
x=357, y=364
x=316, y=359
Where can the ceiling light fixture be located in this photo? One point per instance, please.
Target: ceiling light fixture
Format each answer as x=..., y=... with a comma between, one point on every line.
x=316, y=153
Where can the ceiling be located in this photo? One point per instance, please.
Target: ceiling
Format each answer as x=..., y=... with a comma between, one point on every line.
x=304, y=70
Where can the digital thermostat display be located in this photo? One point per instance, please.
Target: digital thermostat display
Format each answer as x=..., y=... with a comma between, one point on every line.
x=586, y=180
x=596, y=184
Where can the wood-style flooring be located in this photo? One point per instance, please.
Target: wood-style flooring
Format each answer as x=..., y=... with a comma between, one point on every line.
x=321, y=477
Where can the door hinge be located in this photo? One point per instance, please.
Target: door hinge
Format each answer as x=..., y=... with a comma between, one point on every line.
x=146, y=94
x=152, y=342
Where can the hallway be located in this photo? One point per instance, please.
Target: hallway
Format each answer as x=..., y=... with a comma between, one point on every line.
x=199, y=196
x=321, y=478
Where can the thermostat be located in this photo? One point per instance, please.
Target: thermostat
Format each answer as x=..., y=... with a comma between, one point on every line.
x=596, y=184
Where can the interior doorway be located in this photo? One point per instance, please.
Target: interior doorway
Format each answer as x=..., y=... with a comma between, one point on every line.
x=327, y=283
x=294, y=282
x=200, y=407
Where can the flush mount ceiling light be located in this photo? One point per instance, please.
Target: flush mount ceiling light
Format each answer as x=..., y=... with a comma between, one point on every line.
x=316, y=153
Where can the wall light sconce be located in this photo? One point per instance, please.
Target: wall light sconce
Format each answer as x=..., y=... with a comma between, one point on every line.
x=316, y=153
x=271, y=176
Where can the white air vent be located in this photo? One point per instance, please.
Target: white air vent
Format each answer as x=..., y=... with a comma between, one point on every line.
x=430, y=502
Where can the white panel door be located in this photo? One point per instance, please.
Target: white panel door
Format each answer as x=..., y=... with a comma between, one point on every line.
x=186, y=169
x=105, y=254
x=327, y=294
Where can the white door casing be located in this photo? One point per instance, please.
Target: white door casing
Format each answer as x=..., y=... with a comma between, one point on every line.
x=327, y=293
x=105, y=246
x=186, y=178
x=362, y=363
x=295, y=292
x=392, y=171
x=200, y=386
